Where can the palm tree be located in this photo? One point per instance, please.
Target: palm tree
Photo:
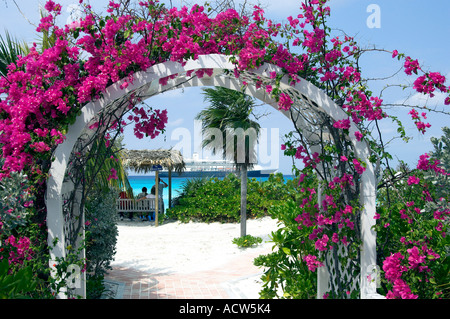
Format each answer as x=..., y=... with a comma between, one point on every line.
x=102, y=161
x=230, y=113
x=10, y=49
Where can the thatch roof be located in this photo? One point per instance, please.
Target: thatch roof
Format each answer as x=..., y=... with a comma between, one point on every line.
x=142, y=160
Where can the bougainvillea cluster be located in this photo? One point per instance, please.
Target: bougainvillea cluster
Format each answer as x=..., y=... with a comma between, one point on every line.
x=414, y=269
x=16, y=250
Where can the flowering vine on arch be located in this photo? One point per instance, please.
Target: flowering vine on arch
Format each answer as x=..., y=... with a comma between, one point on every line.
x=45, y=92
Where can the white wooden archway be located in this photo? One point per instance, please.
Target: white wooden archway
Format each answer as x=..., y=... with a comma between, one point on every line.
x=147, y=84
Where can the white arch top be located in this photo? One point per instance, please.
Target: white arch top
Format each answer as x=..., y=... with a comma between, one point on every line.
x=146, y=84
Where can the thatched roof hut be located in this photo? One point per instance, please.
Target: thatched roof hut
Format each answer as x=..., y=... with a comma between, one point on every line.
x=142, y=161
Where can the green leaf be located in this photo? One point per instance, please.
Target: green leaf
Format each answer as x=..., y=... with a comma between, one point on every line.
x=98, y=43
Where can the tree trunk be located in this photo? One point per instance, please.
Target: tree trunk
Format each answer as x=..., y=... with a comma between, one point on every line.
x=243, y=200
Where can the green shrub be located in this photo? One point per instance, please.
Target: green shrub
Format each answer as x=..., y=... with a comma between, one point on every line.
x=95, y=287
x=247, y=241
x=15, y=200
x=213, y=199
x=411, y=224
x=101, y=236
x=24, y=271
x=16, y=285
x=286, y=274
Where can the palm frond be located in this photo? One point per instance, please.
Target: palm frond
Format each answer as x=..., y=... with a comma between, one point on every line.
x=45, y=39
x=229, y=111
x=102, y=176
x=10, y=50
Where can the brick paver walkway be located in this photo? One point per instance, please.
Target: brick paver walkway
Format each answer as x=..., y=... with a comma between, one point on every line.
x=234, y=280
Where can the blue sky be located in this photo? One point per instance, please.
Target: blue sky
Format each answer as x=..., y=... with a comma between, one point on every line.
x=420, y=29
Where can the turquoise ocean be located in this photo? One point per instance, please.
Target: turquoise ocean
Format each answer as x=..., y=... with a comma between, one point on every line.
x=137, y=182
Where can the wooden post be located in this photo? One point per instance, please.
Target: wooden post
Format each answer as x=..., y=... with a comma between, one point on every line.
x=243, y=171
x=157, y=197
x=170, y=186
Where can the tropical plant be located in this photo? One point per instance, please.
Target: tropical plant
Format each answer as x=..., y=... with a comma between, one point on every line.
x=106, y=177
x=190, y=186
x=214, y=199
x=104, y=167
x=413, y=215
x=228, y=128
x=16, y=285
x=16, y=201
x=441, y=152
x=289, y=270
x=10, y=49
x=412, y=245
x=247, y=241
x=101, y=237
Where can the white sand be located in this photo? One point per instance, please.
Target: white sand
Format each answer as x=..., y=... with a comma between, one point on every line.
x=186, y=247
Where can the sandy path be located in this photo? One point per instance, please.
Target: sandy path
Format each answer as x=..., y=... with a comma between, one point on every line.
x=184, y=248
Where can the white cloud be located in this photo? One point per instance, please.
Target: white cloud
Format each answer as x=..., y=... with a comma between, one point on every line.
x=176, y=122
x=176, y=93
x=419, y=99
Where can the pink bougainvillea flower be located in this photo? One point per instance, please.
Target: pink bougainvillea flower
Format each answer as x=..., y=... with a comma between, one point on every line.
x=413, y=180
x=285, y=102
x=358, y=136
x=312, y=262
x=447, y=101
x=343, y=124
x=411, y=66
x=321, y=244
x=40, y=147
x=358, y=167
x=415, y=258
x=401, y=290
x=113, y=175
x=392, y=266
